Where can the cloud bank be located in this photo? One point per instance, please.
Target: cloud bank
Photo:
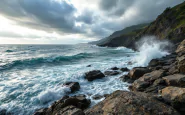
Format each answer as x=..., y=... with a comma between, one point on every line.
x=83, y=20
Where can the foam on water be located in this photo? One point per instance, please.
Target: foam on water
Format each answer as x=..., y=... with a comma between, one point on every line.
x=150, y=48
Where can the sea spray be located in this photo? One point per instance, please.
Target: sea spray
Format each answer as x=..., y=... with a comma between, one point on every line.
x=150, y=48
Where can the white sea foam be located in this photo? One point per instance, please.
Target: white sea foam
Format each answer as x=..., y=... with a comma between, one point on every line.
x=52, y=94
x=150, y=48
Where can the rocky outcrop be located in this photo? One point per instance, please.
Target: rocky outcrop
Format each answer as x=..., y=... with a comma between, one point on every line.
x=175, y=80
x=137, y=72
x=66, y=106
x=95, y=74
x=111, y=73
x=175, y=96
x=130, y=103
x=74, y=86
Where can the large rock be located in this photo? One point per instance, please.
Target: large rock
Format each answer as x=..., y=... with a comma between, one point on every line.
x=152, y=76
x=66, y=106
x=146, y=80
x=175, y=80
x=130, y=103
x=111, y=72
x=138, y=72
x=95, y=74
x=74, y=86
x=175, y=96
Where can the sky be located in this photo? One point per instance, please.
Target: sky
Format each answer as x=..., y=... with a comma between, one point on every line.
x=72, y=21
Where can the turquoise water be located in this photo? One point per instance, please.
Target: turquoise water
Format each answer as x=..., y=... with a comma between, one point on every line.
x=31, y=76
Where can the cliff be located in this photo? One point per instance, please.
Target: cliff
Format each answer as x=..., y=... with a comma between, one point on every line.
x=170, y=25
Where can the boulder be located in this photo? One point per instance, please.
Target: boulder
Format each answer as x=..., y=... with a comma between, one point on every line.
x=97, y=97
x=74, y=86
x=110, y=73
x=124, y=69
x=175, y=96
x=153, y=63
x=139, y=85
x=68, y=105
x=95, y=74
x=130, y=103
x=138, y=72
x=152, y=76
x=126, y=78
x=115, y=68
x=70, y=110
x=181, y=47
x=175, y=80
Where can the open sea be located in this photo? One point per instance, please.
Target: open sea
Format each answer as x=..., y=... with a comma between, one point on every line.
x=31, y=76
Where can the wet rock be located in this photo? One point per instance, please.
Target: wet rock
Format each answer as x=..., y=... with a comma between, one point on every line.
x=138, y=72
x=175, y=96
x=88, y=65
x=68, y=105
x=95, y=74
x=124, y=69
x=139, y=85
x=74, y=86
x=97, y=97
x=130, y=103
x=159, y=82
x=152, y=76
x=70, y=110
x=129, y=63
x=153, y=62
x=126, y=78
x=175, y=80
x=110, y=73
x=115, y=68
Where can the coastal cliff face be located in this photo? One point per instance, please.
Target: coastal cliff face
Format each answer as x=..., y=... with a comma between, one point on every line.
x=170, y=25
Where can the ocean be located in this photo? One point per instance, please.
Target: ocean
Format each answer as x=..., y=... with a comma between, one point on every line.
x=31, y=76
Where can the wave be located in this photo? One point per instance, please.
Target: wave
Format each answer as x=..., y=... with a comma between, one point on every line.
x=150, y=48
x=8, y=51
x=44, y=60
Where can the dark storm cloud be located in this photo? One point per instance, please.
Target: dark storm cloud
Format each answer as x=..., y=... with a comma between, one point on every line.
x=110, y=16
x=86, y=17
x=115, y=7
x=41, y=14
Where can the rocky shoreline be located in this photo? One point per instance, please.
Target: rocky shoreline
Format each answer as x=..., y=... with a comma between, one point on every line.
x=158, y=89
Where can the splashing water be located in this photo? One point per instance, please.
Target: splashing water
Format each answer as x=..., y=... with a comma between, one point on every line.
x=150, y=48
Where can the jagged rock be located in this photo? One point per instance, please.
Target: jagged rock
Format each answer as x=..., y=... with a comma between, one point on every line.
x=89, y=65
x=153, y=62
x=152, y=76
x=175, y=80
x=97, y=97
x=130, y=103
x=124, y=69
x=74, y=86
x=175, y=96
x=126, y=78
x=139, y=85
x=5, y=112
x=181, y=47
x=115, y=68
x=138, y=72
x=71, y=105
x=159, y=82
x=70, y=110
x=110, y=73
x=95, y=74
x=146, y=80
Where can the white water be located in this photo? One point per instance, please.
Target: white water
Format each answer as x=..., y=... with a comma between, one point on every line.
x=150, y=48
x=27, y=88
